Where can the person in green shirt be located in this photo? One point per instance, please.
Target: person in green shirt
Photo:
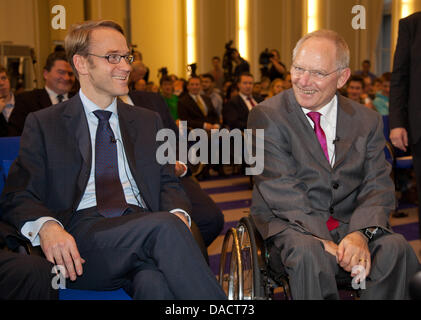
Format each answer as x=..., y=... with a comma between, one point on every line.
x=381, y=102
x=167, y=91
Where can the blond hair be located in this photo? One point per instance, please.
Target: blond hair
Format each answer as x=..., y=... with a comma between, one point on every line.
x=77, y=41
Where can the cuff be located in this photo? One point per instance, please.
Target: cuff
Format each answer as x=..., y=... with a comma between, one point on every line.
x=185, y=214
x=31, y=229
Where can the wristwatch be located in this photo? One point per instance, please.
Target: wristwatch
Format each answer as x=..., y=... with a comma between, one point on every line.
x=370, y=232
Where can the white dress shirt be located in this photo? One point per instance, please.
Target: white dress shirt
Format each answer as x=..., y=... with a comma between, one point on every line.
x=247, y=101
x=328, y=123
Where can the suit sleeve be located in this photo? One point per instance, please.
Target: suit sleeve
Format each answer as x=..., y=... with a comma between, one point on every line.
x=399, y=85
x=376, y=194
x=25, y=189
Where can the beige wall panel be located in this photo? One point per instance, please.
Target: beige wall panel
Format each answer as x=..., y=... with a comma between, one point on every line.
x=158, y=30
x=107, y=10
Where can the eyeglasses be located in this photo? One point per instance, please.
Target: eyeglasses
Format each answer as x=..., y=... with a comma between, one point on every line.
x=315, y=74
x=114, y=58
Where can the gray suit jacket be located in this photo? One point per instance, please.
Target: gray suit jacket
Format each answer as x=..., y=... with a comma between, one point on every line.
x=299, y=189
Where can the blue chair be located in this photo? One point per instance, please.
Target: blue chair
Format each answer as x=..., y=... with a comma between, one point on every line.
x=9, y=148
x=397, y=159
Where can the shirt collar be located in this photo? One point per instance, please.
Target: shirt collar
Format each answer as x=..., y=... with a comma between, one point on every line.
x=90, y=106
x=328, y=110
x=52, y=93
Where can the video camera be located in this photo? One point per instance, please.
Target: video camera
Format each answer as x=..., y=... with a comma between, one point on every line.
x=264, y=60
x=227, y=62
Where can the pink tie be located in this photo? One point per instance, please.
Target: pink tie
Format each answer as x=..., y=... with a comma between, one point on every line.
x=332, y=223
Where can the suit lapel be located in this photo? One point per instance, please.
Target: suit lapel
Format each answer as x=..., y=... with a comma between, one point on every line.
x=298, y=120
x=346, y=130
x=129, y=135
x=77, y=125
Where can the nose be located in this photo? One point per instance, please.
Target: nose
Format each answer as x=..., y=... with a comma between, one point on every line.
x=304, y=79
x=125, y=65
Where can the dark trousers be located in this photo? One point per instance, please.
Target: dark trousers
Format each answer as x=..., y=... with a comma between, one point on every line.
x=150, y=255
x=312, y=271
x=25, y=277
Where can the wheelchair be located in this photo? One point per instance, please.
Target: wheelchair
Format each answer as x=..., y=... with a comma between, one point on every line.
x=251, y=269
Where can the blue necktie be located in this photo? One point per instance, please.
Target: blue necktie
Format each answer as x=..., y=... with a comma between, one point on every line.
x=110, y=198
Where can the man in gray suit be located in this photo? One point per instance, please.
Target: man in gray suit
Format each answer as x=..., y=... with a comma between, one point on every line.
x=324, y=197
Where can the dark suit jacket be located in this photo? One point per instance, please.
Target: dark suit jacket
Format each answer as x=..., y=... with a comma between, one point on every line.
x=52, y=170
x=405, y=86
x=235, y=113
x=189, y=111
x=3, y=126
x=298, y=187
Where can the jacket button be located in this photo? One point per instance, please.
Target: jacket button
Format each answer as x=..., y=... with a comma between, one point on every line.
x=331, y=210
x=335, y=185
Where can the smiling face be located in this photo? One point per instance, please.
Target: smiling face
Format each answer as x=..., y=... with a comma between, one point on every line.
x=318, y=55
x=60, y=78
x=100, y=80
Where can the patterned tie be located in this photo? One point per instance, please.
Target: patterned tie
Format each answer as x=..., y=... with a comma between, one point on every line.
x=201, y=106
x=332, y=223
x=60, y=98
x=110, y=198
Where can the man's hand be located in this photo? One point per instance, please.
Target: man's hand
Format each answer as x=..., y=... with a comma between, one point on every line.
x=399, y=138
x=352, y=251
x=183, y=218
x=60, y=248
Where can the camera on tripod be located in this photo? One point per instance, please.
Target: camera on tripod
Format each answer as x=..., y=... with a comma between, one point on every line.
x=264, y=60
x=227, y=62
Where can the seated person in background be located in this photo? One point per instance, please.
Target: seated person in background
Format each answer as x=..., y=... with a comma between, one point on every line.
x=137, y=74
x=365, y=71
x=167, y=92
x=87, y=187
x=241, y=65
x=355, y=91
x=381, y=102
x=151, y=87
x=377, y=85
x=324, y=198
x=236, y=111
x=59, y=80
x=7, y=101
x=287, y=81
x=197, y=109
x=275, y=87
x=217, y=72
x=264, y=87
x=208, y=87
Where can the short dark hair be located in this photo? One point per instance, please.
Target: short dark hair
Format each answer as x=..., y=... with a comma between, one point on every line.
x=193, y=77
x=3, y=69
x=387, y=76
x=356, y=78
x=165, y=79
x=209, y=76
x=245, y=74
x=53, y=57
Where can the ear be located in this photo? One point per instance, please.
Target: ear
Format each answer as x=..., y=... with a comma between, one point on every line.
x=343, y=78
x=81, y=64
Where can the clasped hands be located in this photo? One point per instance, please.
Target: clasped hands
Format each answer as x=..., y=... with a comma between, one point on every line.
x=351, y=251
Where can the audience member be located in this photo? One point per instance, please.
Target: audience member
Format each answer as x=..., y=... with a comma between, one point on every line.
x=7, y=101
x=265, y=87
x=139, y=57
x=59, y=80
x=275, y=87
x=236, y=111
x=365, y=72
x=241, y=65
x=323, y=221
x=277, y=69
x=257, y=88
x=197, y=109
x=287, y=84
x=217, y=72
x=209, y=90
x=381, y=102
x=355, y=91
x=58, y=190
x=137, y=74
x=167, y=92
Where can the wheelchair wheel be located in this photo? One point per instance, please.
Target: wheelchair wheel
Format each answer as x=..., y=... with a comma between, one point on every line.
x=252, y=261
x=230, y=268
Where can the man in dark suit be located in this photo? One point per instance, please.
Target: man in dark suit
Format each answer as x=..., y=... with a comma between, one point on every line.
x=324, y=198
x=236, y=111
x=7, y=101
x=197, y=109
x=405, y=95
x=59, y=79
x=205, y=213
x=86, y=185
